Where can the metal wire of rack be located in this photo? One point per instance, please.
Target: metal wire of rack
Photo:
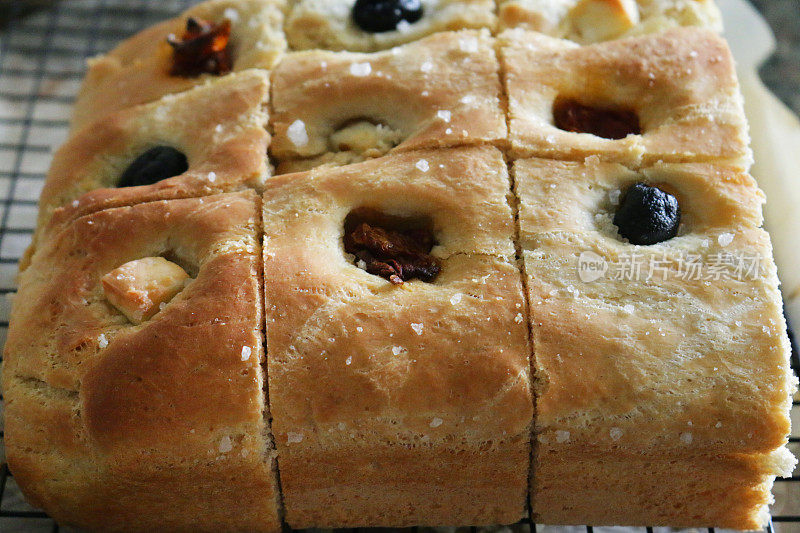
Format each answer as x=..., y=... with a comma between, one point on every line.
x=43, y=49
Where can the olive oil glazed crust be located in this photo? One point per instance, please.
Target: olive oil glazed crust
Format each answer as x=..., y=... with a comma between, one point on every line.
x=56, y=404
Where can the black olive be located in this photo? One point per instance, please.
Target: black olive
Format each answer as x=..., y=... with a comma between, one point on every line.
x=156, y=164
x=647, y=215
x=377, y=16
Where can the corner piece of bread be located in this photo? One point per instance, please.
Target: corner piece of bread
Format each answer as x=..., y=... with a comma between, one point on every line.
x=681, y=84
x=114, y=425
x=138, y=70
x=662, y=359
x=611, y=19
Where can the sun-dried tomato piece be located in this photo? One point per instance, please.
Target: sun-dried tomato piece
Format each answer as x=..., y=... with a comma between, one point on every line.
x=393, y=255
x=202, y=49
x=571, y=115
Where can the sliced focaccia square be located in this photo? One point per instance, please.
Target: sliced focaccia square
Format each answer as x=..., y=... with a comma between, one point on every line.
x=207, y=140
x=368, y=26
x=339, y=108
x=660, y=344
x=397, y=345
x=207, y=41
x=147, y=417
x=588, y=21
x=669, y=97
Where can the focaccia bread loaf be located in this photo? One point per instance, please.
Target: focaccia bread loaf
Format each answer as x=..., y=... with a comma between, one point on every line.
x=391, y=263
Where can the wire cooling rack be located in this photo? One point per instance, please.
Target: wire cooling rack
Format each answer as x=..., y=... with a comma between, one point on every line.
x=43, y=49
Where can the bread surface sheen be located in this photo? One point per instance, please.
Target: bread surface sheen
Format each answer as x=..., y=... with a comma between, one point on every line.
x=202, y=352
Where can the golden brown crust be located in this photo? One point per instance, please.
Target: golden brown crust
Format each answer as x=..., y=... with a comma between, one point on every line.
x=682, y=85
x=642, y=330
x=359, y=365
x=206, y=429
x=584, y=487
x=220, y=127
x=658, y=366
x=441, y=91
x=406, y=486
x=411, y=404
x=713, y=199
x=558, y=17
x=138, y=70
x=328, y=24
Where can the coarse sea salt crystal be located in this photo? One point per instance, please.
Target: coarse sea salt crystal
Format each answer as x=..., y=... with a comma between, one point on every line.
x=102, y=342
x=454, y=299
x=628, y=308
x=468, y=99
x=417, y=328
x=423, y=165
x=725, y=239
x=562, y=436
x=444, y=115
x=225, y=444
x=75, y=203
x=615, y=433
x=349, y=360
x=212, y=177
x=426, y=66
x=397, y=350
x=519, y=318
x=360, y=69
x=436, y=422
x=403, y=26
x=292, y=437
x=231, y=14
x=469, y=44
x=246, y=351
x=359, y=329
x=297, y=133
